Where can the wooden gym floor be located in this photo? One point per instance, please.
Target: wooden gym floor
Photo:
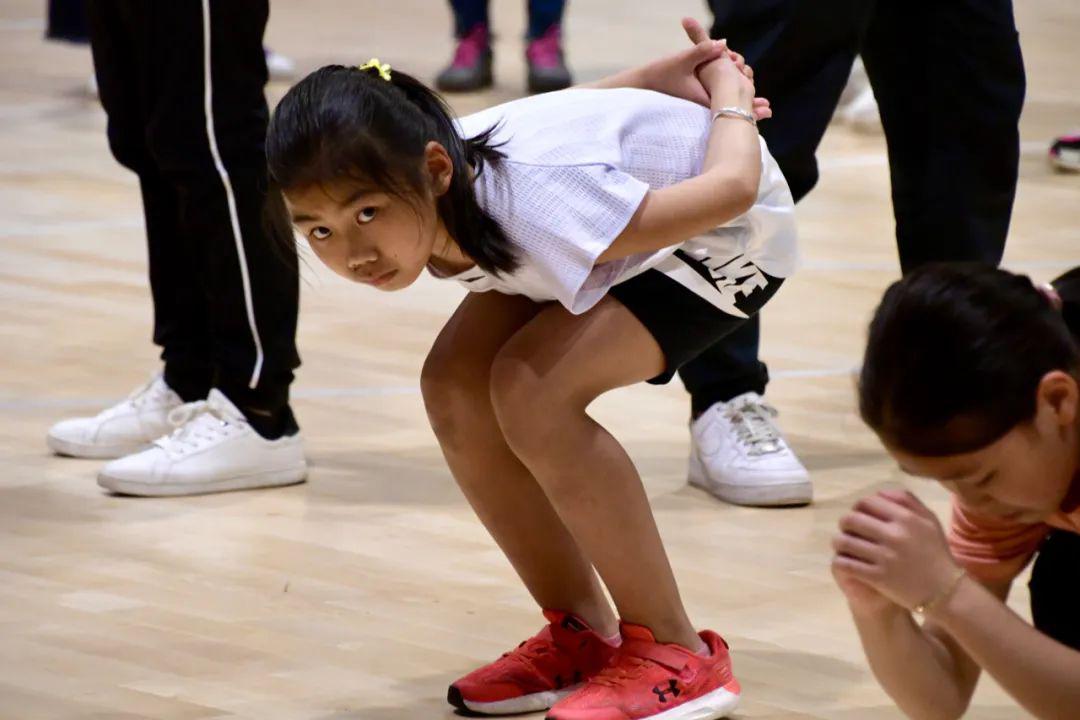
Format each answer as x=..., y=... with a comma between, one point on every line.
x=361, y=594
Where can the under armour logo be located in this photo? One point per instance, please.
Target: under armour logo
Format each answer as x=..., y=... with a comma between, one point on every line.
x=662, y=693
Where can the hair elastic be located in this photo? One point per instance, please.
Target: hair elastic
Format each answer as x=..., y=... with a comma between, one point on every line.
x=373, y=64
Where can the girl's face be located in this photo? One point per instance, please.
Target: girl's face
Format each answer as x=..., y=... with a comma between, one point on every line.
x=369, y=236
x=1026, y=475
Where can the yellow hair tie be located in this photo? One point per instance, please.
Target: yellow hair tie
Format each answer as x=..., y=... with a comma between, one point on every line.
x=382, y=68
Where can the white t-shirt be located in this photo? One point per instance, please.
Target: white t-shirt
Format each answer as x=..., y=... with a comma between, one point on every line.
x=578, y=164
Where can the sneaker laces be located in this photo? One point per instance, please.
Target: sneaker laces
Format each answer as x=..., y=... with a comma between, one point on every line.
x=197, y=424
x=471, y=47
x=141, y=396
x=625, y=670
x=753, y=423
x=530, y=650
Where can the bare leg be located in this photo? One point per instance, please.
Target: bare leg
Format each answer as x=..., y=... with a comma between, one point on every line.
x=542, y=382
x=504, y=494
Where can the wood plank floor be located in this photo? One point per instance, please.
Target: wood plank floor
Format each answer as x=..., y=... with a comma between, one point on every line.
x=361, y=594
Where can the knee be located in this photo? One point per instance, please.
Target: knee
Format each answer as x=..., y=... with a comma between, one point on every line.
x=527, y=408
x=452, y=398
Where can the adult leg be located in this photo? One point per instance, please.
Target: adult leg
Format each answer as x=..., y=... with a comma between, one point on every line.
x=468, y=14
x=726, y=370
x=121, y=49
x=507, y=499
x=207, y=132
x=801, y=52
x=67, y=21
x=543, y=15
x=953, y=171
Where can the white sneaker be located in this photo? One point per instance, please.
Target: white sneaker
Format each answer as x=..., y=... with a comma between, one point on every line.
x=857, y=81
x=738, y=455
x=862, y=113
x=212, y=449
x=858, y=106
x=279, y=67
x=127, y=427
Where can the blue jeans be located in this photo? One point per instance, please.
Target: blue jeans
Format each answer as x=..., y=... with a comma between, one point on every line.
x=542, y=15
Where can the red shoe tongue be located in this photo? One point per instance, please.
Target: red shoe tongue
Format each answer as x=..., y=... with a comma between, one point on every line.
x=630, y=631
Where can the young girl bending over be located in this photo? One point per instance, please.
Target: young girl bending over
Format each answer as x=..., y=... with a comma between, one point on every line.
x=971, y=379
x=606, y=237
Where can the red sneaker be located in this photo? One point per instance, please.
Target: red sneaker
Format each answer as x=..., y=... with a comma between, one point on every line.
x=537, y=673
x=648, y=679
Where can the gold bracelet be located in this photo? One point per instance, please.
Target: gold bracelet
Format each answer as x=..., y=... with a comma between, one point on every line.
x=925, y=607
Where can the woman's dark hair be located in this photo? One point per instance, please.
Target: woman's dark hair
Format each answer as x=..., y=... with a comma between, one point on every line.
x=344, y=122
x=955, y=354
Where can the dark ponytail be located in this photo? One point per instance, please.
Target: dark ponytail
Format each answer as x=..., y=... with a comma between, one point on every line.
x=344, y=122
x=955, y=354
x=1068, y=289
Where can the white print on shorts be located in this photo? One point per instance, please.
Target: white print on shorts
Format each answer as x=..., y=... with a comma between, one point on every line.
x=730, y=277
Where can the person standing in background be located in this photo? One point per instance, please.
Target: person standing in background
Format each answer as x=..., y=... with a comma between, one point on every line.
x=949, y=81
x=182, y=85
x=67, y=22
x=471, y=68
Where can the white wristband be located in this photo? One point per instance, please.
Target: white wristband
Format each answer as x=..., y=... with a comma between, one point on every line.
x=736, y=112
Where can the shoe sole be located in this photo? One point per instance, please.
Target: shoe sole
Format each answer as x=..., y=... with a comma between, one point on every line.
x=1070, y=163
x=789, y=494
x=485, y=81
x=537, y=85
x=514, y=706
x=68, y=448
x=277, y=478
x=468, y=87
x=719, y=703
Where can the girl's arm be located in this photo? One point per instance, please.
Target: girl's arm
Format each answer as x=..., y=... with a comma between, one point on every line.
x=893, y=545
x=676, y=74
x=1041, y=673
x=727, y=186
x=926, y=673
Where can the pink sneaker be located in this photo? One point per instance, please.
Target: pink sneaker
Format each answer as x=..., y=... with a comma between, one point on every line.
x=1065, y=152
x=547, y=68
x=471, y=67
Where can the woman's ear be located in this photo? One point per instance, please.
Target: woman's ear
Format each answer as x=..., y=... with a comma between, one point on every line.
x=440, y=168
x=1057, y=398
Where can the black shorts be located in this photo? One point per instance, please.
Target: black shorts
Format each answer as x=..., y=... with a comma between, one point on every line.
x=1055, y=593
x=685, y=320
